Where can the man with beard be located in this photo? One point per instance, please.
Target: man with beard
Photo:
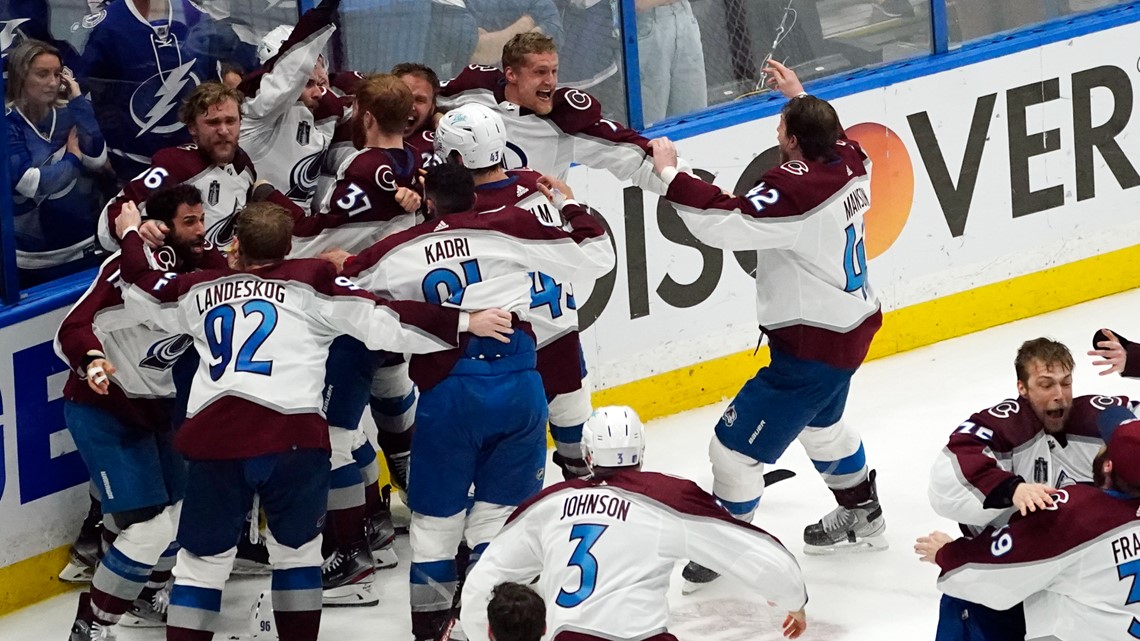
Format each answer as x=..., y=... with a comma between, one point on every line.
x=1010, y=459
x=214, y=163
x=1073, y=565
x=120, y=419
x=804, y=220
x=290, y=113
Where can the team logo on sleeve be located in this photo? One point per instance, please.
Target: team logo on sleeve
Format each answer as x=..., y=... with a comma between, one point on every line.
x=161, y=355
x=578, y=99
x=795, y=167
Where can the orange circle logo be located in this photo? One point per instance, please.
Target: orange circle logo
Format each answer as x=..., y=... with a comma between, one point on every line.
x=892, y=184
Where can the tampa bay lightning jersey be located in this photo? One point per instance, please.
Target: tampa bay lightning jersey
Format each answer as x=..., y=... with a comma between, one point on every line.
x=55, y=196
x=138, y=72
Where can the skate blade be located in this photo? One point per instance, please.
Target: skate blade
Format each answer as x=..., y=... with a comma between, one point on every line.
x=385, y=558
x=131, y=621
x=875, y=543
x=356, y=595
x=72, y=573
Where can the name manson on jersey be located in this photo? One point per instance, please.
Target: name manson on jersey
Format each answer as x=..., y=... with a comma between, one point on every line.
x=576, y=505
x=225, y=292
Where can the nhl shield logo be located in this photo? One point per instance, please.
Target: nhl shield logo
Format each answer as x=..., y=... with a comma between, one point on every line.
x=729, y=416
x=304, y=131
x=215, y=193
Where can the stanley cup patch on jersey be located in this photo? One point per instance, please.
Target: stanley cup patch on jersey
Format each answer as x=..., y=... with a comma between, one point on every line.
x=215, y=192
x=304, y=132
x=1040, y=470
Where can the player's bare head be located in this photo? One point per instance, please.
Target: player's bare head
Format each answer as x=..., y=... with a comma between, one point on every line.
x=212, y=115
x=180, y=207
x=516, y=613
x=530, y=64
x=448, y=189
x=34, y=76
x=424, y=84
x=1117, y=465
x=383, y=102
x=263, y=232
x=613, y=439
x=810, y=127
x=1045, y=378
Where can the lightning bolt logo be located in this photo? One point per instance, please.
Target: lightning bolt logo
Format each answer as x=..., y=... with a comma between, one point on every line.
x=8, y=34
x=166, y=98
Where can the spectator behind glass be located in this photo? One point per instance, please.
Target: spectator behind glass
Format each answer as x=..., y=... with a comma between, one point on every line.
x=475, y=34
x=56, y=155
x=672, y=61
x=516, y=613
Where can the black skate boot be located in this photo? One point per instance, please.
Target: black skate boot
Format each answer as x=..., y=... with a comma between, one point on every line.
x=88, y=548
x=85, y=629
x=696, y=576
x=346, y=578
x=857, y=525
x=381, y=532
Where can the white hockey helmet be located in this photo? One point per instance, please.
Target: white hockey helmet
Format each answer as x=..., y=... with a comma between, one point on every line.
x=476, y=132
x=271, y=43
x=612, y=437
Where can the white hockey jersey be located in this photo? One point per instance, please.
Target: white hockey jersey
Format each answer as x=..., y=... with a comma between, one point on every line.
x=285, y=140
x=805, y=222
x=574, y=130
x=263, y=338
x=604, y=552
x=1075, y=567
x=973, y=478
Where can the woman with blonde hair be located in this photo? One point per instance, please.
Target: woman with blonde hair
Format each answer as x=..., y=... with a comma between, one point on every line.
x=56, y=157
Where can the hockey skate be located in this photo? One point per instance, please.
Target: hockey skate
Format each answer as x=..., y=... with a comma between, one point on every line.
x=252, y=556
x=346, y=579
x=85, y=552
x=84, y=630
x=696, y=576
x=860, y=528
x=381, y=532
x=148, y=613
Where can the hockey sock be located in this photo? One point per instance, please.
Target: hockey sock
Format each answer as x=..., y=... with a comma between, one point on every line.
x=297, y=603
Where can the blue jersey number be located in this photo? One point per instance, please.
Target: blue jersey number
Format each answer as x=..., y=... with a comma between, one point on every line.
x=546, y=291
x=854, y=260
x=451, y=282
x=220, y=337
x=1130, y=570
x=587, y=534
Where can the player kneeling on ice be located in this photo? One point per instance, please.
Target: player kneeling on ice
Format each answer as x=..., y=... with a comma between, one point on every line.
x=604, y=547
x=1074, y=563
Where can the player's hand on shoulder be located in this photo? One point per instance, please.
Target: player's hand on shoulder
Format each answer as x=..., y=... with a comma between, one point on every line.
x=1030, y=497
x=337, y=257
x=98, y=373
x=1112, y=354
x=491, y=323
x=795, y=624
x=154, y=232
x=664, y=154
x=407, y=199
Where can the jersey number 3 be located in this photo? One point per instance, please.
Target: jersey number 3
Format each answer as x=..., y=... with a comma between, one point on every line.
x=220, y=324
x=586, y=534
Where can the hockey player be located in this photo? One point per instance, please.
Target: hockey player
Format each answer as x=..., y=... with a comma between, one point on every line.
x=815, y=304
x=1073, y=564
x=214, y=163
x=57, y=155
x=119, y=417
x=374, y=196
x=1010, y=458
x=549, y=128
x=420, y=132
x=474, y=136
x=254, y=421
x=604, y=547
x=482, y=407
x=290, y=115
